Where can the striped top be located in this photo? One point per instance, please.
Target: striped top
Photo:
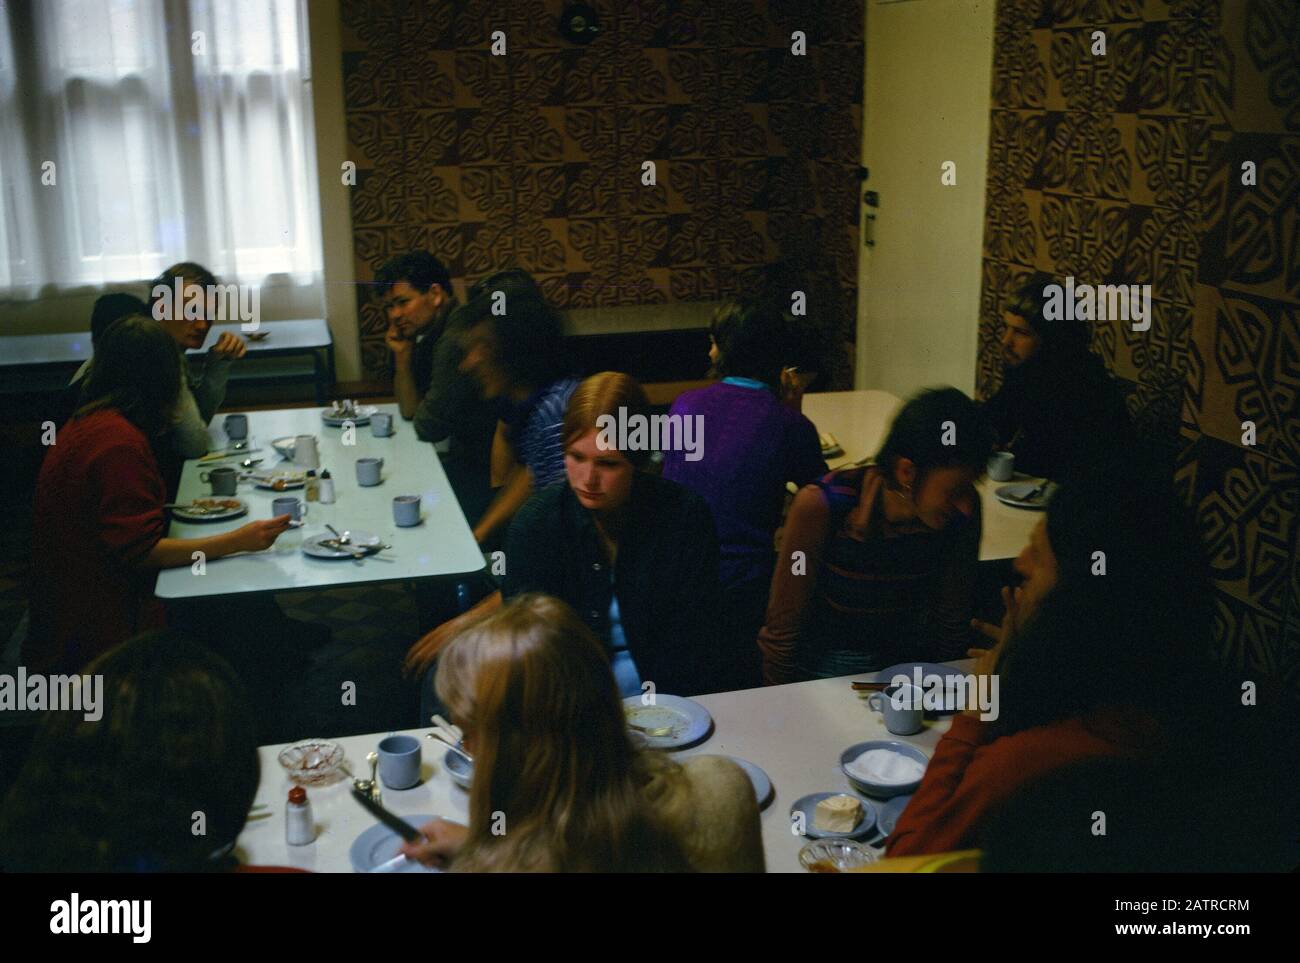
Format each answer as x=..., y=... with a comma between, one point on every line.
x=874, y=592
x=537, y=431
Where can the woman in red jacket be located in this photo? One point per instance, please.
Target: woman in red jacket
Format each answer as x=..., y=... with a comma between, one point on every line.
x=99, y=520
x=1103, y=647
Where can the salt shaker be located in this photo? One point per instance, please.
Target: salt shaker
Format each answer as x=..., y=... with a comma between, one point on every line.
x=299, y=827
x=326, y=488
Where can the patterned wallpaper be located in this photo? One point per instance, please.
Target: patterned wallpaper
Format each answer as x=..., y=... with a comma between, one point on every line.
x=1128, y=168
x=535, y=158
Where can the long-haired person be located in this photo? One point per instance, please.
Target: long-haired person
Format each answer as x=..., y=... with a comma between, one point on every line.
x=1103, y=652
x=558, y=786
x=634, y=554
x=107, y=309
x=172, y=735
x=187, y=322
x=878, y=563
x=753, y=444
x=511, y=337
x=99, y=520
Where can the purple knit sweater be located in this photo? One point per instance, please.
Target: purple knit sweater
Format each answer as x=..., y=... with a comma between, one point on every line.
x=753, y=445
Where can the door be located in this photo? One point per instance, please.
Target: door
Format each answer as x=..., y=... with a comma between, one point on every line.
x=926, y=102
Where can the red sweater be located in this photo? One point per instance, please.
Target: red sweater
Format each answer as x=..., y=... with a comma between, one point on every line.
x=970, y=776
x=98, y=512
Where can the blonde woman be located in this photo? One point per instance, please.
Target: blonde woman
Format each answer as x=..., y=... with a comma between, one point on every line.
x=558, y=786
x=634, y=554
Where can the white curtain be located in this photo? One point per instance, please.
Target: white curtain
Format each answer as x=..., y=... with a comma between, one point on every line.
x=178, y=130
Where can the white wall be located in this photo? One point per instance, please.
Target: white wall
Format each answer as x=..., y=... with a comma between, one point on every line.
x=323, y=25
x=926, y=101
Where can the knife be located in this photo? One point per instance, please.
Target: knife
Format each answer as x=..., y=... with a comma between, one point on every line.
x=396, y=864
x=395, y=823
x=227, y=453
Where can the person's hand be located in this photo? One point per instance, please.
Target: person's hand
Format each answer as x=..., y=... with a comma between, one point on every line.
x=398, y=343
x=229, y=347
x=997, y=634
x=421, y=655
x=442, y=840
x=793, y=384
x=259, y=535
x=986, y=660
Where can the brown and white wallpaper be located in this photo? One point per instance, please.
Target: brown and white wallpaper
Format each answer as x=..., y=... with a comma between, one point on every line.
x=535, y=158
x=1128, y=168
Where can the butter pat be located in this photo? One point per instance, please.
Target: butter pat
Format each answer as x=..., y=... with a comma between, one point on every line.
x=837, y=814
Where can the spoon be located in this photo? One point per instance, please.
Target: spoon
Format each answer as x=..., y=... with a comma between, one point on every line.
x=372, y=757
x=452, y=746
x=344, y=542
x=652, y=731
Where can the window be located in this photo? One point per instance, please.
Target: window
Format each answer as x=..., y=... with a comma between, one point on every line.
x=138, y=133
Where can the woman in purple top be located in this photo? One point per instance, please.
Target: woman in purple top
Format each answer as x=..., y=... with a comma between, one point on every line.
x=750, y=442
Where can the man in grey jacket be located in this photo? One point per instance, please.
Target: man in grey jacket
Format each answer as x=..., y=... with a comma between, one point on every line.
x=202, y=395
x=444, y=404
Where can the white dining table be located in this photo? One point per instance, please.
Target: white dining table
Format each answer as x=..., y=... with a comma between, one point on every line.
x=859, y=421
x=442, y=545
x=795, y=733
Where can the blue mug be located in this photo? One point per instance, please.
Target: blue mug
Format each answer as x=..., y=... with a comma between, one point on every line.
x=368, y=471
x=901, y=705
x=399, y=761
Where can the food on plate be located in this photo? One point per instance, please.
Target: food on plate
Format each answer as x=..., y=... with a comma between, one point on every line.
x=885, y=768
x=217, y=504
x=837, y=814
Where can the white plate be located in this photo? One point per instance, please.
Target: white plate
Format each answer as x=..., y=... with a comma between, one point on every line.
x=362, y=416
x=362, y=540
x=378, y=844
x=689, y=721
x=1016, y=494
x=291, y=480
x=181, y=515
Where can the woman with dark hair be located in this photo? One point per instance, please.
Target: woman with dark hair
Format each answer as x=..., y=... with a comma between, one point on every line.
x=185, y=319
x=175, y=737
x=99, y=520
x=1102, y=652
x=107, y=309
x=532, y=689
x=633, y=553
x=878, y=563
x=753, y=444
x=512, y=343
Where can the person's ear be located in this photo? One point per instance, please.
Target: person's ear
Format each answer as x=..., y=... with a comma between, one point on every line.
x=904, y=473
